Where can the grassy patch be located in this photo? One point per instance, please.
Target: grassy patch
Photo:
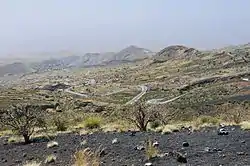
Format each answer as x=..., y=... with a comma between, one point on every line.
x=93, y=122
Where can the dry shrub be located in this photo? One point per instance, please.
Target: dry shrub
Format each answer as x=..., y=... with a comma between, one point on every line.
x=140, y=115
x=23, y=119
x=86, y=157
x=61, y=123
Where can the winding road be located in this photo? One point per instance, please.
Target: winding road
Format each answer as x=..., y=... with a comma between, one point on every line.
x=144, y=90
x=75, y=93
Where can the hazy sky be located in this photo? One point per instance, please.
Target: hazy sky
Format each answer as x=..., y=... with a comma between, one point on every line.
x=109, y=25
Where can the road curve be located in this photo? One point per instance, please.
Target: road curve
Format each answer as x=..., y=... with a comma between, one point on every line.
x=75, y=93
x=144, y=90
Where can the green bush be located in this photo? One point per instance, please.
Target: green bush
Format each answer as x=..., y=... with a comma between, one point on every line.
x=155, y=124
x=92, y=122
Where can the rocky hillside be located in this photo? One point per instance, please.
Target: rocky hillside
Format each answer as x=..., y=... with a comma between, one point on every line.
x=132, y=53
x=14, y=68
x=95, y=59
x=176, y=51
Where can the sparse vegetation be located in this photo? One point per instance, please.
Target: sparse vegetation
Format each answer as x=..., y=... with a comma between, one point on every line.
x=50, y=159
x=23, y=119
x=32, y=163
x=92, y=122
x=86, y=157
x=170, y=128
x=245, y=125
x=61, y=123
x=151, y=151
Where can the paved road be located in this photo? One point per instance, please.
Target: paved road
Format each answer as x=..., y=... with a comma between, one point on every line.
x=75, y=93
x=144, y=90
x=159, y=101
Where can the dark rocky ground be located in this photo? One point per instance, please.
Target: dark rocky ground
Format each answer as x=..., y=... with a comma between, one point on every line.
x=206, y=148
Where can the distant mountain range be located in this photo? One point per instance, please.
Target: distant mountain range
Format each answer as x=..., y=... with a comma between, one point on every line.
x=67, y=60
x=226, y=56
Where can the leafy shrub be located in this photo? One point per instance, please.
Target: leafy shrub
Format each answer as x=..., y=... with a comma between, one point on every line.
x=155, y=124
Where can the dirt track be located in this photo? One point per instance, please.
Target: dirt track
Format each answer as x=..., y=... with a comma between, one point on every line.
x=232, y=149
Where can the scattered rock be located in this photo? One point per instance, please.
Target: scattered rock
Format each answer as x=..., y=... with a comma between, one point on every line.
x=139, y=147
x=181, y=158
x=25, y=154
x=148, y=164
x=217, y=150
x=243, y=141
x=185, y=144
x=103, y=152
x=241, y=153
x=52, y=144
x=155, y=144
x=207, y=149
x=115, y=141
x=222, y=131
x=132, y=133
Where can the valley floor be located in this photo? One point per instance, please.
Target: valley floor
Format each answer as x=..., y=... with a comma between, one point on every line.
x=206, y=147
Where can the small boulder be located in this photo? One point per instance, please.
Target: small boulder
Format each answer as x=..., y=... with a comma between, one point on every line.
x=139, y=147
x=132, y=133
x=155, y=144
x=181, y=158
x=207, y=149
x=223, y=131
x=148, y=164
x=185, y=144
x=52, y=144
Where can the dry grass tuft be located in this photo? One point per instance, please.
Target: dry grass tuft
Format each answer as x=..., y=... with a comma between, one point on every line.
x=86, y=157
x=32, y=163
x=151, y=151
x=245, y=125
x=170, y=128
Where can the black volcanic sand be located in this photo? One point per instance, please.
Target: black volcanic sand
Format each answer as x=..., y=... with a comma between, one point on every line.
x=232, y=149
